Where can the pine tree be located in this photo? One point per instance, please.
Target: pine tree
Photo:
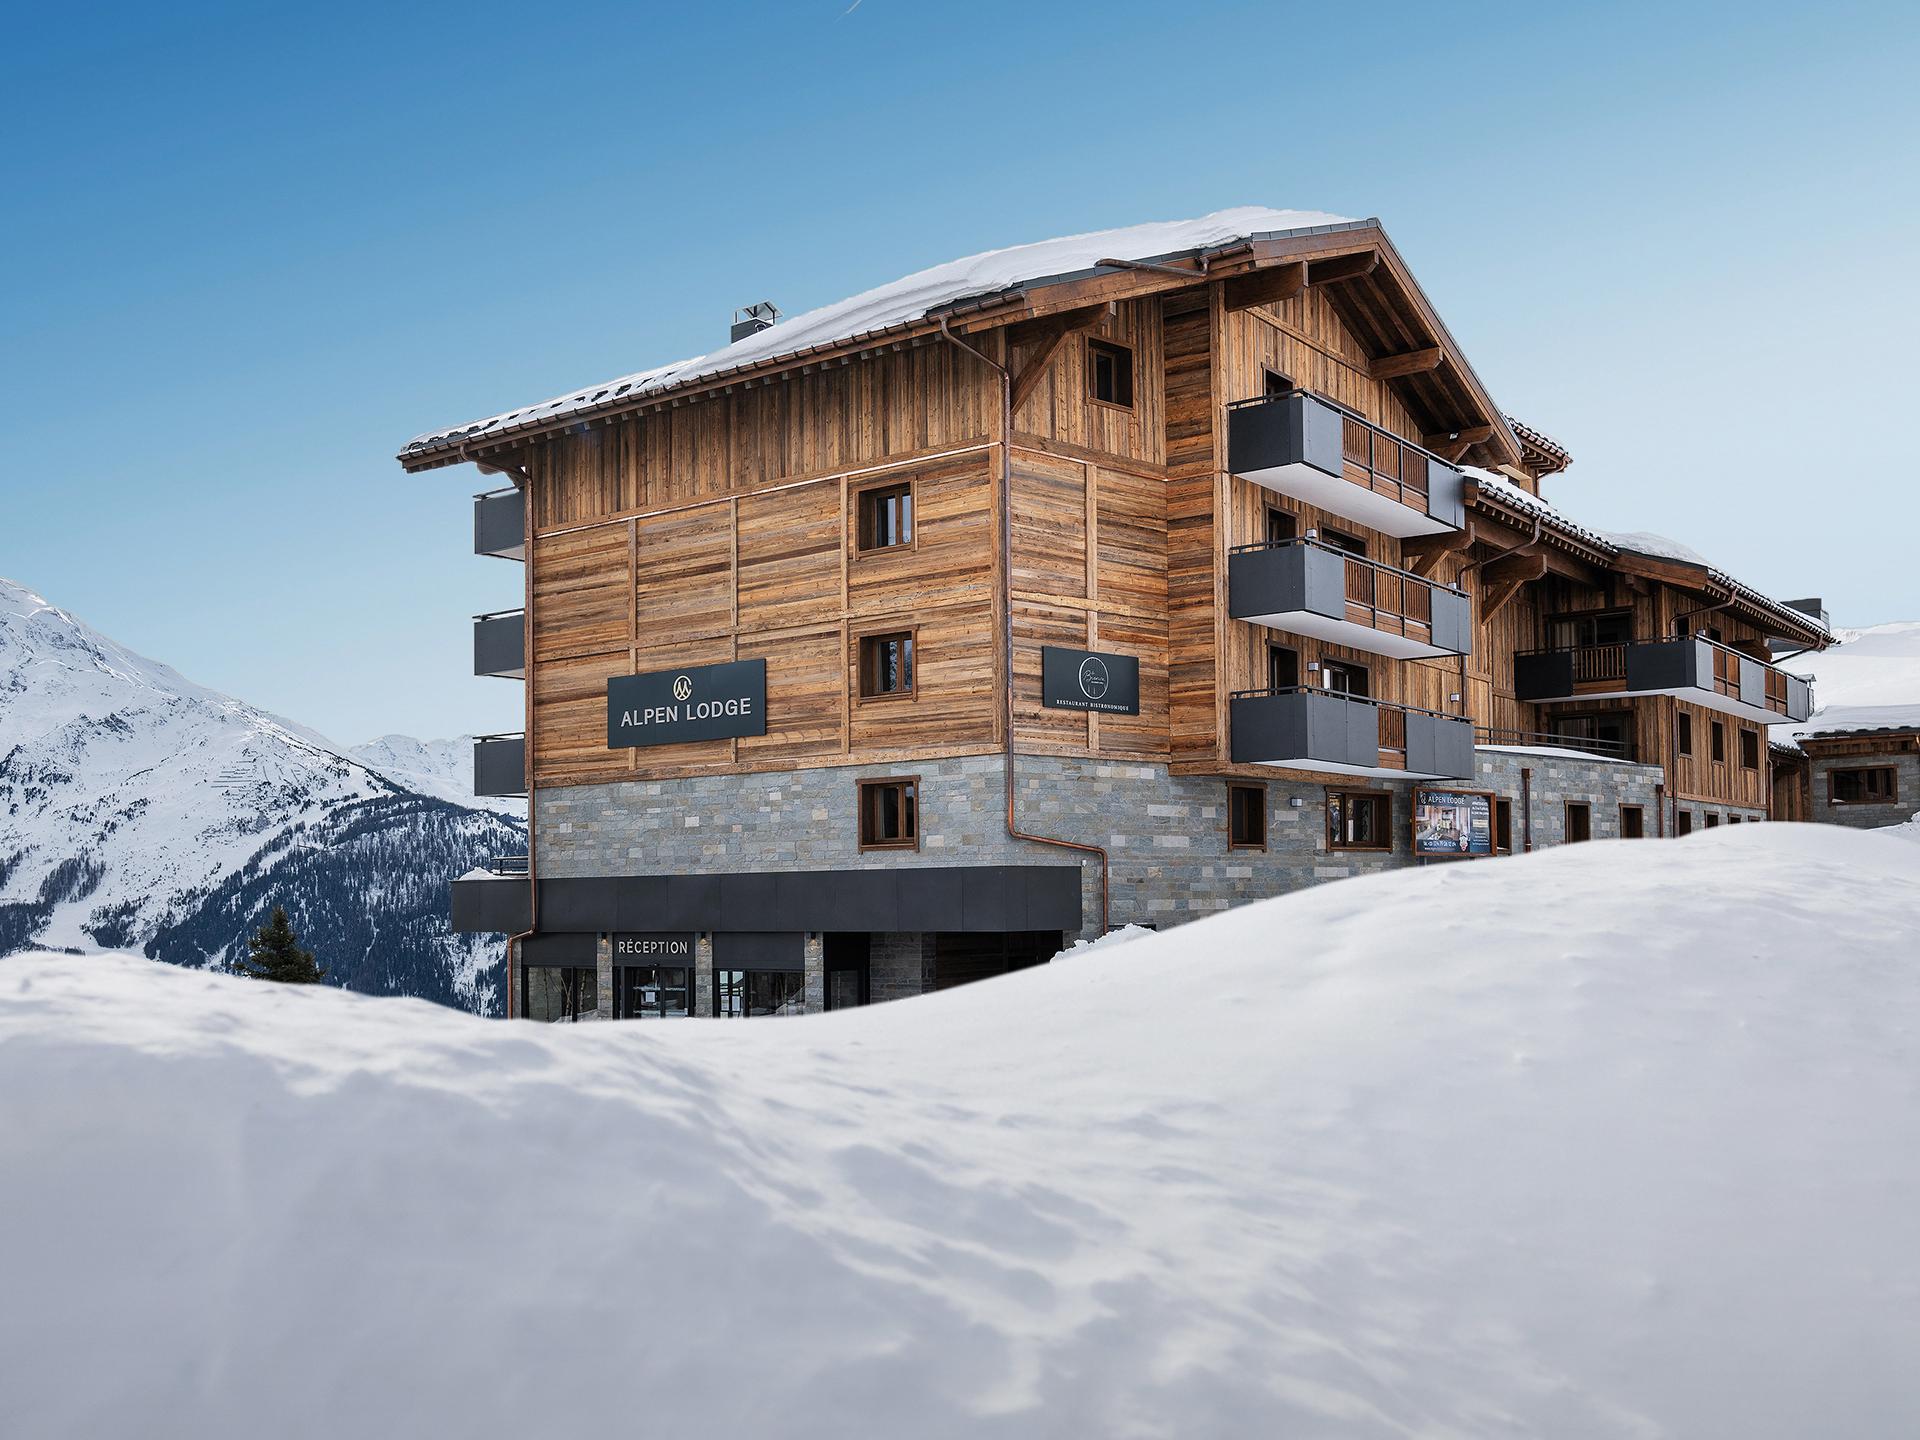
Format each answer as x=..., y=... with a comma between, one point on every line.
x=274, y=953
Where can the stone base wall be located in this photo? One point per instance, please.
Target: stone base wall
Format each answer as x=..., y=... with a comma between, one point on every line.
x=1166, y=835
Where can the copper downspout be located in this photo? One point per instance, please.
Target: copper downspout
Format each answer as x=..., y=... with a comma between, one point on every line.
x=1005, y=597
x=1526, y=807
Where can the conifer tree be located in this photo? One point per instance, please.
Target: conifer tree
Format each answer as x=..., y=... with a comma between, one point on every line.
x=274, y=953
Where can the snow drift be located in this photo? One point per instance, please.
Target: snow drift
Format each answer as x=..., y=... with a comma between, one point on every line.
x=1622, y=1139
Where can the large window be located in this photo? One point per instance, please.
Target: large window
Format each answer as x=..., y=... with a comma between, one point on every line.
x=1110, y=373
x=1872, y=785
x=1247, y=817
x=1610, y=728
x=1359, y=820
x=559, y=992
x=1344, y=676
x=889, y=814
x=654, y=992
x=740, y=993
x=1591, y=627
x=886, y=665
x=886, y=517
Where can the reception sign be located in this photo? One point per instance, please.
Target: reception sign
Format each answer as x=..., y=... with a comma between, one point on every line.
x=1452, y=822
x=699, y=702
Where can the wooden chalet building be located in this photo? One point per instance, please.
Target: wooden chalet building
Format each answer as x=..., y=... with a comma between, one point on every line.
x=1112, y=579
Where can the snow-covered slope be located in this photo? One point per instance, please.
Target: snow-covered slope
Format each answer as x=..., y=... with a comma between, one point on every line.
x=1564, y=1145
x=441, y=768
x=1869, y=680
x=138, y=808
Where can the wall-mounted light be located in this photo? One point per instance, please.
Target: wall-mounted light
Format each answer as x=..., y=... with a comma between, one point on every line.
x=1454, y=697
x=1312, y=665
x=1296, y=802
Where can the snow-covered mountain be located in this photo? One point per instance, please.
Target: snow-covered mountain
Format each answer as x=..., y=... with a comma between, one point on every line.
x=138, y=809
x=442, y=768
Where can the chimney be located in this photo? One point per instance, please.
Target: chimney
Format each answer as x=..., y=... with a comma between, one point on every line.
x=752, y=319
x=1816, y=608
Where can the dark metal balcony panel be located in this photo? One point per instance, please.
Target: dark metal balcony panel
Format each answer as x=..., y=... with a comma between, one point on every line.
x=499, y=524
x=1293, y=444
x=1440, y=745
x=500, y=765
x=1682, y=667
x=492, y=907
x=1543, y=675
x=1799, y=698
x=500, y=645
x=1675, y=665
x=1301, y=588
x=1308, y=729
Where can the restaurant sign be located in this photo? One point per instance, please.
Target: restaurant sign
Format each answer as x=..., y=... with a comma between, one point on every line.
x=1089, y=680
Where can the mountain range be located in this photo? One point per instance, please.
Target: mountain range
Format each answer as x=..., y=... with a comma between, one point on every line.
x=139, y=810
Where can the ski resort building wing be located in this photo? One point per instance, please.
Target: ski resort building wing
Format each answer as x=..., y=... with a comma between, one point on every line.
x=1110, y=580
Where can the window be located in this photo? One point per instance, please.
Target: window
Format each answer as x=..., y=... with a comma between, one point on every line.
x=1686, y=733
x=1876, y=785
x=651, y=992
x=1110, y=373
x=1612, y=729
x=1503, y=827
x=889, y=814
x=1347, y=678
x=886, y=665
x=1591, y=627
x=1750, y=749
x=1359, y=820
x=1683, y=823
x=886, y=517
x=1733, y=819
x=1246, y=817
x=1340, y=540
x=1718, y=744
x=1283, y=667
x=1282, y=525
x=1633, y=822
x=1278, y=384
x=740, y=993
x=1713, y=821
x=558, y=992
x=1579, y=821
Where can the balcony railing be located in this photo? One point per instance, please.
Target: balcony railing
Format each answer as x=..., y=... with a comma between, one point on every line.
x=1547, y=740
x=1301, y=727
x=1307, y=587
x=1305, y=446
x=1690, y=667
x=499, y=523
x=500, y=764
x=500, y=644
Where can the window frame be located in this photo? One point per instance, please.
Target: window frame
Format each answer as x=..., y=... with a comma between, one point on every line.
x=1502, y=825
x=912, y=636
x=1096, y=344
x=1749, y=741
x=1276, y=648
x=1268, y=390
x=1584, y=808
x=861, y=496
x=1236, y=789
x=1382, y=798
x=1639, y=814
x=1711, y=819
x=1281, y=512
x=1683, y=734
x=1682, y=822
x=1717, y=742
x=1365, y=673
x=1891, y=797
x=876, y=782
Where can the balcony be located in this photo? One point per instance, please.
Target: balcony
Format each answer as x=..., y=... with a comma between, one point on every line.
x=500, y=764
x=1693, y=668
x=1302, y=728
x=500, y=523
x=1299, y=445
x=1307, y=588
x=500, y=644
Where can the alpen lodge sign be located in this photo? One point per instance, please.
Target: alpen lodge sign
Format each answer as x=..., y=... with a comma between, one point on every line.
x=699, y=702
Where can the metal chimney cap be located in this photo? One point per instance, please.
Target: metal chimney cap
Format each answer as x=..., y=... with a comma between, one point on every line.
x=752, y=319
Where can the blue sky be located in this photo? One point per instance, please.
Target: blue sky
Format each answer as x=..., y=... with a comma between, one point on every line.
x=250, y=251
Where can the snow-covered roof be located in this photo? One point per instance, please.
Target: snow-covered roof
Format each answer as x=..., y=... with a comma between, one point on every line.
x=911, y=299
x=1858, y=719
x=1630, y=542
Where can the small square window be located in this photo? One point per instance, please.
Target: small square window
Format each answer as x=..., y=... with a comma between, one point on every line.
x=1278, y=384
x=889, y=814
x=886, y=665
x=1283, y=667
x=1579, y=821
x=1750, y=749
x=886, y=517
x=1359, y=820
x=1247, y=817
x=1110, y=373
x=1282, y=525
x=1713, y=821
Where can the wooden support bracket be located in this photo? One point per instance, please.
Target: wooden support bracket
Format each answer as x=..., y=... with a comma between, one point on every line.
x=1413, y=362
x=1342, y=267
x=1422, y=555
x=1053, y=332
x=1265, y=287
x=1504, y=578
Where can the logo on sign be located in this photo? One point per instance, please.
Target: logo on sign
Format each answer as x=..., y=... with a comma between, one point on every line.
x=682, y=687
x=1093, y=677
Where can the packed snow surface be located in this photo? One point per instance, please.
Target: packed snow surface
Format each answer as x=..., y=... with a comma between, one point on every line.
x=1619, y=1139
x=914, y=297
x=1868, y=680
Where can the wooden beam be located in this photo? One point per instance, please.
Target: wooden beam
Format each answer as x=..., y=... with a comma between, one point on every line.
x=1053, y=334
x=1413, y=362
x=1343, y=267
x=1265, y=287
x=1528, y=562
x=1423, y=554
x=1465, y=439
